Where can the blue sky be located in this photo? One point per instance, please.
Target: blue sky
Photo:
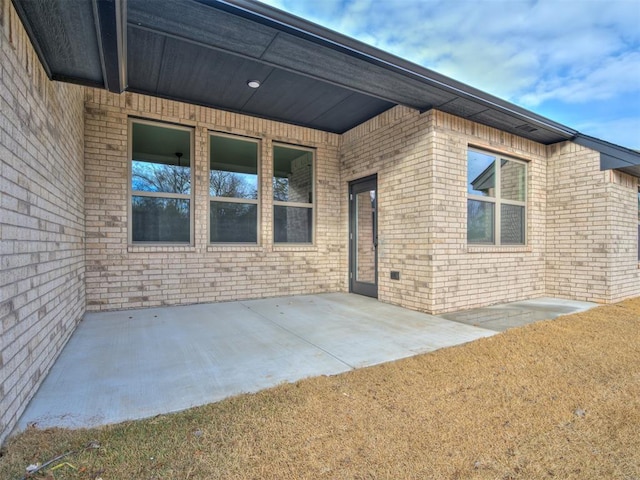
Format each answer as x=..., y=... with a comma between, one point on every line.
x=574, y=61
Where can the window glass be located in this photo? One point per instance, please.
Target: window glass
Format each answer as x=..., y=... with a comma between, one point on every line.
x=292, y=175
x=161, y=159
x=155, y=177
x=512, y=224
x=233, y=169
x=161, y=178
x=481, y=176
x=292, y=195
x=234, y=222
x=496, y=199
x=160, y=219
x=292, y=224
x=364, y=249
x=233, y=188
x=480, y=222
x=512, y=180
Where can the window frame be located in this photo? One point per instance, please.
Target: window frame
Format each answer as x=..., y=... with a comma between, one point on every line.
x=281, y=203
x=164, y=195
x=497, y=199
x=245, y=201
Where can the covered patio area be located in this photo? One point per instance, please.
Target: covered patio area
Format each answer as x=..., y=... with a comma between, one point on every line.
x=133, y=364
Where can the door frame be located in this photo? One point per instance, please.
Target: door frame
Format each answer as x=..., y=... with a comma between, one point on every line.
x=355, y=187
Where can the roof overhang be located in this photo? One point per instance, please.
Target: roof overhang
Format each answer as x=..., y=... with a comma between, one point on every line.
x=205, y=51
x=612, y=157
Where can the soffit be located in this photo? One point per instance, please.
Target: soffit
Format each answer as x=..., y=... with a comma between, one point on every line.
x=204, y=51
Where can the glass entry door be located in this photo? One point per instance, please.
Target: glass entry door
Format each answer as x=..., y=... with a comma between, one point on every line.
x=363, y=237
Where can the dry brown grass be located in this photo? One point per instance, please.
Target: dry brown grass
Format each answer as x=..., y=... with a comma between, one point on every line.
x=557, y=399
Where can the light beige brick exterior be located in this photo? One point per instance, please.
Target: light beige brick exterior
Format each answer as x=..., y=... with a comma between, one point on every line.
x=581, y=222
x=421, y=163
x=592, y=224
x=468, y=276
x=396, y=146
x=121, y=275
x=64, y=155
x=41, y=218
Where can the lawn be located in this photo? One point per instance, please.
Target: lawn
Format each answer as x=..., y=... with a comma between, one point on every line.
x=556, y=399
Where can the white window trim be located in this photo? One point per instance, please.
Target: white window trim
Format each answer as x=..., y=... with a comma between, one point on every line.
x=498, y=201
x=281, y=203
x=251, y=201
x=137, y=193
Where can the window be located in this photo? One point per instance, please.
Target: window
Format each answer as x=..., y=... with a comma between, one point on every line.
x=638, y=225
x=292, y=194
x=233, y=189
x=496, y=199
x=161, y=180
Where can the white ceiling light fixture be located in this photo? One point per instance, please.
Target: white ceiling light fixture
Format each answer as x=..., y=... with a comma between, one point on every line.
x=253, y=83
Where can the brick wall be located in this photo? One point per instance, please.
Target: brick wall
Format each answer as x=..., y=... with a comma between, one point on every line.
x=41, y=218
x=64, y=225
x=421, y=165
x=120, y=275
x=624, y=276
x=467, y=276
x=591, y=228
x=396, y=146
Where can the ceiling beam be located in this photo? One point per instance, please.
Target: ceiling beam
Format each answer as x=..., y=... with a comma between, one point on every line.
x=110, y=23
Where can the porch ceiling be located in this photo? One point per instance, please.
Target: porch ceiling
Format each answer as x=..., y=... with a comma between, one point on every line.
x=205, y=51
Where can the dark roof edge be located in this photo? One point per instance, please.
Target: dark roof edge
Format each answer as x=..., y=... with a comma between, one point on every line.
x=612, y=157
x=302, y=28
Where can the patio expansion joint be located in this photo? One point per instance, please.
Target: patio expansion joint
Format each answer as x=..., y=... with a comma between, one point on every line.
x=290, y=332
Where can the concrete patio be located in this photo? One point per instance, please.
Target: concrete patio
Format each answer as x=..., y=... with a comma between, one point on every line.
x=515, y=314
x=138, y=363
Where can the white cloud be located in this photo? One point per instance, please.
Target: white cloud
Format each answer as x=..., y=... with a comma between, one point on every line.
x=500, y=46
x=615, y=76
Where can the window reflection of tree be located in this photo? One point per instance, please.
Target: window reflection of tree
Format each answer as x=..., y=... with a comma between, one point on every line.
x=231, y=185
x=160, y=218
x=155, y=177
x=281, y=189
x=233, y=221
